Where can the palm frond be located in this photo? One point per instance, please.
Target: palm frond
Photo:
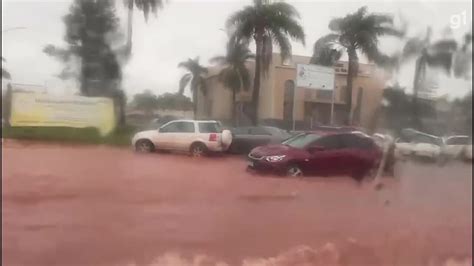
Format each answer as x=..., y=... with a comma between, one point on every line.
x=442, y=60
x=467, y=40
x=286, y=24
x=148, y=6
x=325, y=43
x=241, y=17
x=283, y=9
x=5, y=74
x=282, y=42
x=367, y=42
x=388, y=30
x=326, y=56
x=243, y=31
x=360, y=13
x=185, y=64
x=413, y=47
x=445, y=45
x=184, y=81
x=387, y=62
x=378, y=19
x=335, y=24
x=221, y=60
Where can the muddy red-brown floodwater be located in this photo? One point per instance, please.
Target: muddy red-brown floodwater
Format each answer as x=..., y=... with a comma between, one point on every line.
x=96, y=205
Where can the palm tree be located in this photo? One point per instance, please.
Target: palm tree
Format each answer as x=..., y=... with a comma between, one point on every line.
x=235, y=74
x=463, y=58
x=428, y=54
x=324, y=55
x=5, y=73
x=147, y=6
x=195, y=76
x=265, y=22
x=357, y=32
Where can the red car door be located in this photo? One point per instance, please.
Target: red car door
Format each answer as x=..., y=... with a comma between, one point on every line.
x=358, y=154
x=328, y=160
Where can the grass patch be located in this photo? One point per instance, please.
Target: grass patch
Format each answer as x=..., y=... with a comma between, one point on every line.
x=120, y=137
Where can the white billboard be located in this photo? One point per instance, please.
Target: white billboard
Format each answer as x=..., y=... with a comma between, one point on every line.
x=43, y=110
x=315, y=77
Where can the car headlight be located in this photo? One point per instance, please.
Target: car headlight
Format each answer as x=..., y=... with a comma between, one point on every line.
x=275, y=158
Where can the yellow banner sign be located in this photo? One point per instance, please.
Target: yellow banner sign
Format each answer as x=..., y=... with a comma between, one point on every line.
x=43, y=110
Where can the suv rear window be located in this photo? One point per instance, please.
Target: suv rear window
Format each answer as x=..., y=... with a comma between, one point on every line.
x=209, y=127
x=178, y=127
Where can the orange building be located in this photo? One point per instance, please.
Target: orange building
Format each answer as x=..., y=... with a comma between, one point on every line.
x=311, y=106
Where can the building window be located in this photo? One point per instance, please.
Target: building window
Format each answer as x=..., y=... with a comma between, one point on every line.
x=288, y=100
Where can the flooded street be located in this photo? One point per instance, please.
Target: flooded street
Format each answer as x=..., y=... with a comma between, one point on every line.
x=87, y=205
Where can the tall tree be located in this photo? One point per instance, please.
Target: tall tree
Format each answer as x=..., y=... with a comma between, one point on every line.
x=174, y=101
x=5, y=73
x=357, y=32
x=88, y=56
x=145, y=101
x=396, y=108
x=324, y=55
x=147, y=7
x=7, y=104
x=265, y=22
x=194, y=77
x=437, y=54
x=463, y=58
x=235, y=74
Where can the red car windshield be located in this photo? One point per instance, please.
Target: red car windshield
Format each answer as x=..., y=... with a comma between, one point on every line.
x=301, y=141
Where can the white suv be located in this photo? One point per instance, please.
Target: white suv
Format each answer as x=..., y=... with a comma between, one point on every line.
x=197, y=137
x=420, y=144
x=457, y=147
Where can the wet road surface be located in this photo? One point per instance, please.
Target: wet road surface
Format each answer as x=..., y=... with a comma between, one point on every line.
x=89, y=205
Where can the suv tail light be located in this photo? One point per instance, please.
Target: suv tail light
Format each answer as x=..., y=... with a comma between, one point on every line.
x=213, y=137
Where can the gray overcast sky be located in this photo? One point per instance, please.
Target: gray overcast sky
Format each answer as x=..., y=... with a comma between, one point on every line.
x=191, y=28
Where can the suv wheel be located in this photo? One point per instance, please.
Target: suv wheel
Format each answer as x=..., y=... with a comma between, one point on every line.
x=294, y=170
x=144, y=146
x=198, y=150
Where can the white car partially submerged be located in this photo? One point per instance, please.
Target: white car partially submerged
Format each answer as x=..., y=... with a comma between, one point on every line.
x=420, y=145
x=457, y=147
x=195, y=136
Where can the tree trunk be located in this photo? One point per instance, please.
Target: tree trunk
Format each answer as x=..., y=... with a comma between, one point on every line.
x=234, y=117
x=351, y=73
x=416, y=88
x=7, y=104
x=129, y=27
x=195, y=100
x=256, y=82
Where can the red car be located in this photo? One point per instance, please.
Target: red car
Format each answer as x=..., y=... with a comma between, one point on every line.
x=318, y=154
